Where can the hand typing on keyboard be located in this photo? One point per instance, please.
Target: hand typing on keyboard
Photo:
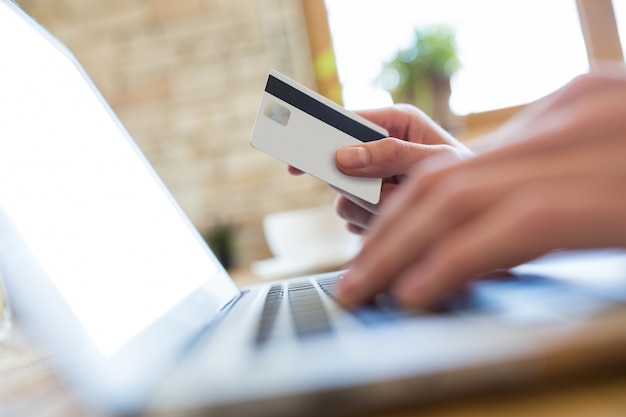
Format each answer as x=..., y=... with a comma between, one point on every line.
x=551, y=178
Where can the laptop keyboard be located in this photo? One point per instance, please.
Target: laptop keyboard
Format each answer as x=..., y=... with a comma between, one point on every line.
x=308, y=313
x=307, y=310
x=381, y=310
x=525, y=298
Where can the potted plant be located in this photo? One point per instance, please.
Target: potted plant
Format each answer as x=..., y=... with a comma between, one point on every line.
x=420, y=74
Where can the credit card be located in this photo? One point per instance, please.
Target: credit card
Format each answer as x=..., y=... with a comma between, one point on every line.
x=304, y=129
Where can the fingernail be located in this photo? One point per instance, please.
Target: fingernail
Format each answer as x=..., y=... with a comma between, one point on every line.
x=353, y=157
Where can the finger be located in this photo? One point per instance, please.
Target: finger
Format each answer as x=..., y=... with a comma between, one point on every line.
x=387, y=189
x=576, y=112
x=400, y=121
x=384, y=158
x=461, y=192
x=402, y=236
x=359, y=213
x=352, y=213
x=530, y=223
x=579, y=92
x=294, y=171
x=461, y=188
x=352, y=228
x=356, y=200
x=410, y=123
x=557, y=135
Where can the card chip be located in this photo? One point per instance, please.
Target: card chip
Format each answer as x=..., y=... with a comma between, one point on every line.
x=277, y=112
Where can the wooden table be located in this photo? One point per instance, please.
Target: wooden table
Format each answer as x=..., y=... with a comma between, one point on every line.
x=28, y=387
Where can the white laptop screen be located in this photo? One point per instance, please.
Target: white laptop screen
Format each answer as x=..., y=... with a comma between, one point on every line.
x=82, y=199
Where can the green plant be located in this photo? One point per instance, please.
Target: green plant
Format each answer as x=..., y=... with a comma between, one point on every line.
x=420, y=74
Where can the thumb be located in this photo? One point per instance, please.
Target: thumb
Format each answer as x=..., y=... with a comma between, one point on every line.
x=382, y=158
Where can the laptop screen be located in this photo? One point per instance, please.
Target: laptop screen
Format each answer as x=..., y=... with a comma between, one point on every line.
x=86, y=206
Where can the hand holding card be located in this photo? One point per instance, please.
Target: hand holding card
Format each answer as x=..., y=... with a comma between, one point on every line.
x=304, y=129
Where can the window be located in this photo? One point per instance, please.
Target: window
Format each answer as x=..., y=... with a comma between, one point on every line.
x=620, y=17
x=511, y=52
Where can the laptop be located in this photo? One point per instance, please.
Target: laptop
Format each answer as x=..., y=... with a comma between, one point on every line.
x=111, y=278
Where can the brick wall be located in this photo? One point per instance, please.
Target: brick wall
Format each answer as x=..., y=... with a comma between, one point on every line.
x=185, y=77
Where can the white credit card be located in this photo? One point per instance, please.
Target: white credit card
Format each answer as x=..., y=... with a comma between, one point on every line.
x=304, y=129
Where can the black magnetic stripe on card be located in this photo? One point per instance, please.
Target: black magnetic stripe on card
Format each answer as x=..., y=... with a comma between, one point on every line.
x=308, y=104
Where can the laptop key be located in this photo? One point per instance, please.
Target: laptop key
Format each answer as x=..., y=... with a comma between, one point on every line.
x=308, y=312
x=270, y=312
x=381, y=310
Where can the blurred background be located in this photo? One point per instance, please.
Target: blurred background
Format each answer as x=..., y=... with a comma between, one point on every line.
x=186, y=77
